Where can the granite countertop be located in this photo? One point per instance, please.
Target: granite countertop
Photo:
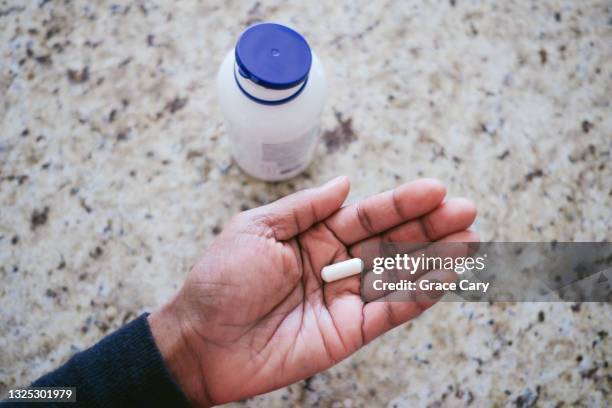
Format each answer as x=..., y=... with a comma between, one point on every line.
x=115, y=173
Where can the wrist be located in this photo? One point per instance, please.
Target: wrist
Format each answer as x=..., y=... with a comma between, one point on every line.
x=181, y=359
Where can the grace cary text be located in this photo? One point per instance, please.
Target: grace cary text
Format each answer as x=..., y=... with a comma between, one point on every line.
x=431, y=285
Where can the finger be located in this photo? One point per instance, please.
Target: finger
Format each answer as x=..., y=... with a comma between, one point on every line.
x=454, y=215
x=398, y=307
x=297, y=212
x=456, y=211
x=386, y=210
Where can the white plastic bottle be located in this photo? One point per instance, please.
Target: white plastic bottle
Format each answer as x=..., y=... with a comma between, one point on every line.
x=272, y=88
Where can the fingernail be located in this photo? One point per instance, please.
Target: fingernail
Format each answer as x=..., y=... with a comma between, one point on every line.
x=334, y=181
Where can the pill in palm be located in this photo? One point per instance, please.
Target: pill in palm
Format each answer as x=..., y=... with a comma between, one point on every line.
x=342, y=270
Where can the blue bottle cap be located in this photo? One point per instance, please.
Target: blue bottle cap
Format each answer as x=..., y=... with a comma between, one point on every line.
x=273, y=56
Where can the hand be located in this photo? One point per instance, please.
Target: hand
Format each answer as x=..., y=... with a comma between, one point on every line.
x=254, y=314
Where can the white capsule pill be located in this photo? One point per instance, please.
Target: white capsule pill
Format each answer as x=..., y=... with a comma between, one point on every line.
x=342, y=270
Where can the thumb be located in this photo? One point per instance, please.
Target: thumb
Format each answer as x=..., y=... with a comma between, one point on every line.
x=297, y=212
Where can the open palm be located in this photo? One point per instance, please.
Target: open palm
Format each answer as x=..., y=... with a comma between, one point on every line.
x=254, y=311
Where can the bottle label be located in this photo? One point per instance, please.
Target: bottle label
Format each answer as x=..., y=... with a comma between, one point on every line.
x=280, y=159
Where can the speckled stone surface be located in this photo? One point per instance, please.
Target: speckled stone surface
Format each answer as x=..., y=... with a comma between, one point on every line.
x=115, y=174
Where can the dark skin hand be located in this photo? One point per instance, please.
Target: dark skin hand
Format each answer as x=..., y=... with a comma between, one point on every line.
x=254, y=314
